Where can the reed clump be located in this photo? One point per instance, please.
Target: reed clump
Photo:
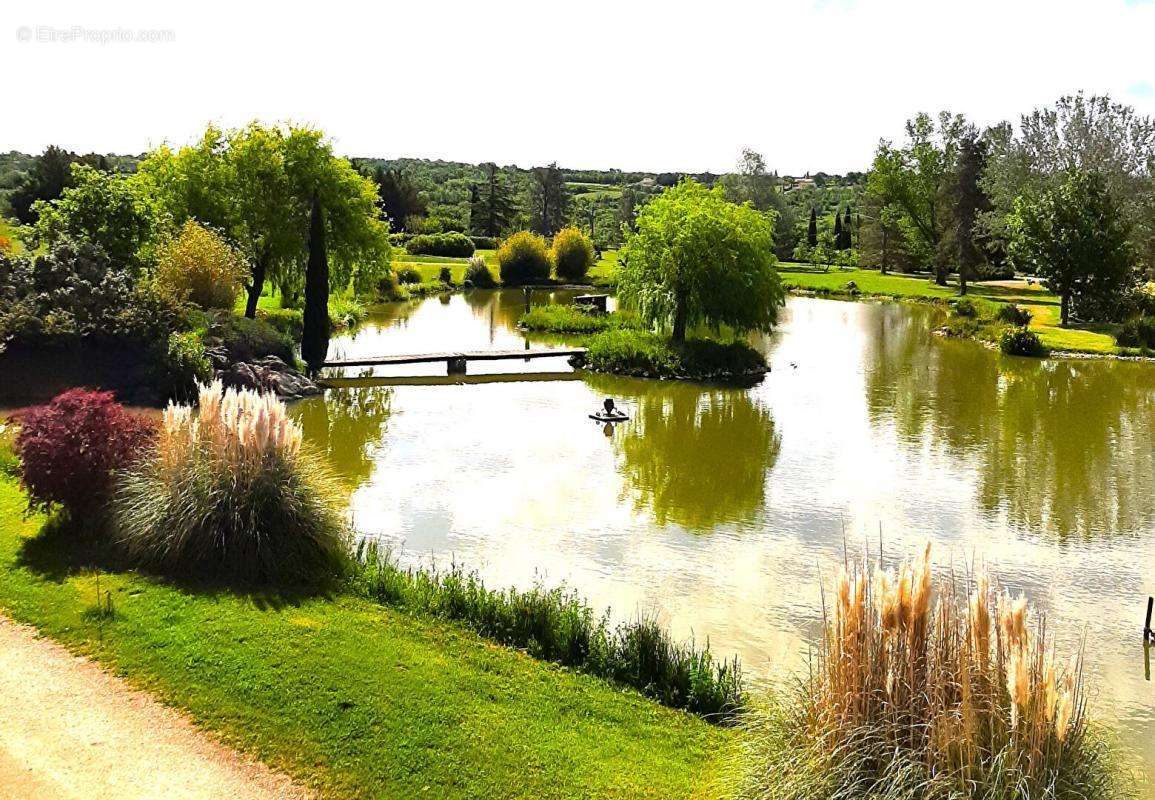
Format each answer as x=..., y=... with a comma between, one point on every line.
x=918, y=693
x=229, y=494
x=557, y=625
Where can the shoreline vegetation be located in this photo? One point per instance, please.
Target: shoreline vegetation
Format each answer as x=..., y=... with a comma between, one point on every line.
x=346, y=693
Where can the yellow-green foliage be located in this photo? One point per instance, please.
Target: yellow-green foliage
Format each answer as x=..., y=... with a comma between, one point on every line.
x=200, y=266
x=523, y=258
x=573, y=254
x=918, y=696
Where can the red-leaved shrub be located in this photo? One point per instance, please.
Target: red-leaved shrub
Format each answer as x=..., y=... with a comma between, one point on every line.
x=70, y=448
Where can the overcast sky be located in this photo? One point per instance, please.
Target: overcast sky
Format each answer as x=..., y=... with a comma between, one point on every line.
x=669, y=85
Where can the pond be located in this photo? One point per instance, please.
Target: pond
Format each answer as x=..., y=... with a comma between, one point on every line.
x=721, y=510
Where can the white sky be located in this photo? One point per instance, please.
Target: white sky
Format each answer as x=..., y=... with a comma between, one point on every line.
x=630, y=84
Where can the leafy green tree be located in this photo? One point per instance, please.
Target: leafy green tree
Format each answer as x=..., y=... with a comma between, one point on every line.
x=256, y=184
x=1092, y=133
x=914, y=179
x=400, y=198
x=315, y=336
x=548, y=200
x=627, y=208
x=1073, y=236
x=697, y=259
x=753, y=184
x=104, y=209
x=50, y=175
x=492, y=203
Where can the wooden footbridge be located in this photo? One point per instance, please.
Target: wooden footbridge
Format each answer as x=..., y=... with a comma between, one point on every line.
x=455, y=363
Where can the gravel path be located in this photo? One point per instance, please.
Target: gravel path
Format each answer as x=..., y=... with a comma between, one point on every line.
x=71, y=731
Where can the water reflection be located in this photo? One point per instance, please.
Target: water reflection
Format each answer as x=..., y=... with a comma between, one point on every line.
x=1061, y=447
x=346, y=427
x=692, y=455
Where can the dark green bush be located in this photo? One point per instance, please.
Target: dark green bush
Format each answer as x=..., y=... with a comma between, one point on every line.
x=408, y=275
x=558, y=626
x=289, y=322
x=964, y=308
x=486, y=242
x=1137, y=332
x=524, y=258
x=1021, y=342
x=245, y=339
x=445, y=275
x=478, y=275
x=180, y=365
x=1013, y=315
x=650, y=355
x=457, y=245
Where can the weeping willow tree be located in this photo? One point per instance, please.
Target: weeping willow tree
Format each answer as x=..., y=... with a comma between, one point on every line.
x=696, y=259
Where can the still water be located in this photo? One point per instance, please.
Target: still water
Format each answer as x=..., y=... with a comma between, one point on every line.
x=721, y=510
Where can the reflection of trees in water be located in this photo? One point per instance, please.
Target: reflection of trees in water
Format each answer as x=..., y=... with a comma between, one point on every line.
x=1059, y=446
x=343, y=424
x=697, y=457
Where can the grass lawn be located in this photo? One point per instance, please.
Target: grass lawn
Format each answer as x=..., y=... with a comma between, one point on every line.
x=356, y=699
x=1043, y=304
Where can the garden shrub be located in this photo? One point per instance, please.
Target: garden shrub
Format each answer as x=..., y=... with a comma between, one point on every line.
x=200, y=266
x=389, y=288
x=1137, y=332
x=345, y=312
x=523, y=258
x=229, y=495
x=445, y=275
x=71, y=448
x=1013, y=315
x=408, y=275
x=964, y=308
x=477, y=274
x=246, y=339
x=1021, y=342
x=456, y=245
x=289, y=322
x=573, y=254
x=181, y=365
x=486, y=242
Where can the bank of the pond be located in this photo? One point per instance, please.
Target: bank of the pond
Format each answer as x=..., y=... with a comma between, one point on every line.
x=862, y=284
x=352, y=698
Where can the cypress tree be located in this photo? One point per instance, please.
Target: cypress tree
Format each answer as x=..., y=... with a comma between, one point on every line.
x=838, y=229
x=812, y=231
x=315, y=336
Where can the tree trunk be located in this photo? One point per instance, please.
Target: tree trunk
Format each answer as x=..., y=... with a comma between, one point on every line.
x=940, y=273
x=1065, y=314
x=679, y=333
x=962, y=279
x=885, y=250
x=256, y=287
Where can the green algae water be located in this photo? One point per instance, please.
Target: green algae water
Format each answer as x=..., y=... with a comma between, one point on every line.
x=720, y=511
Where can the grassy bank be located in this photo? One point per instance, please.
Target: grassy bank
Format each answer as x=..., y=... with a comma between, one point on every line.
x=1043, y=305
x=354, y=698
x=573, y=320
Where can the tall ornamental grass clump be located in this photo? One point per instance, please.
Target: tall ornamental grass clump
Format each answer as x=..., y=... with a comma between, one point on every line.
x=229, y=495
x=478, y=275
x=558, y=626
x=922, y=696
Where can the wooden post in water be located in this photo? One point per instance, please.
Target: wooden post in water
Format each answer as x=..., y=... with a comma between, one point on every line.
x=455, y=366
x=1148, y=634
